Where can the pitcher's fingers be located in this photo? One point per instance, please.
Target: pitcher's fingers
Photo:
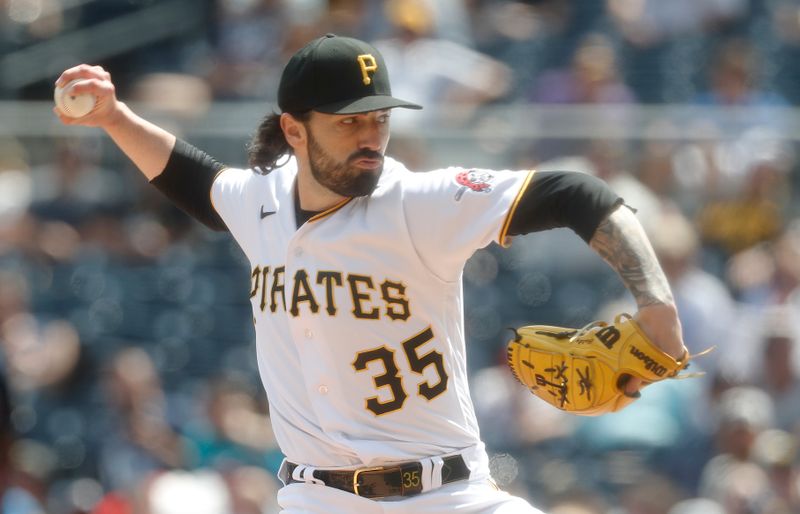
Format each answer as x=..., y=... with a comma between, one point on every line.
x=630, y=385
x=94, y=86
x=82, y=71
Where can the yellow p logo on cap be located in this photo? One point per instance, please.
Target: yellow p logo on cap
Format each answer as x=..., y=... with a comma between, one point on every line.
x=368, y=65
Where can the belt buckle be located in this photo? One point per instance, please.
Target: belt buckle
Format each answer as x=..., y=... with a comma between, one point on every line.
x=357, y=473
x=378, y=469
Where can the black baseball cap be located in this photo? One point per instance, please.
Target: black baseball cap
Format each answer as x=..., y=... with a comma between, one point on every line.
x=337, y=75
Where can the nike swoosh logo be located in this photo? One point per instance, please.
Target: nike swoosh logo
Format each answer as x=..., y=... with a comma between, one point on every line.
x=264, y=214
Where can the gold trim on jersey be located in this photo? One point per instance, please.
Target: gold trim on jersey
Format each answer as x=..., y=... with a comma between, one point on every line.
x=330, y=211
x=211, y=189
x=512, y=209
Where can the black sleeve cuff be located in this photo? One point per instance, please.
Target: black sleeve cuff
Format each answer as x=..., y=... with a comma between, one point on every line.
x=187, y=180
x=563, y=199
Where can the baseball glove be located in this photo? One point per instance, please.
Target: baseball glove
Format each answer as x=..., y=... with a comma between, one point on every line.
x=585, y=371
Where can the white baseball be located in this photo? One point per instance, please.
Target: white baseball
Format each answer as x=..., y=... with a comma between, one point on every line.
x=72, y=105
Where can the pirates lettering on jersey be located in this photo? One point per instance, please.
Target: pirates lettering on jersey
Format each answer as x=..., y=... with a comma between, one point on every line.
x=277, y=287
x=359, y=287
x=302, y=293
x=329, y=279
x=314, y=292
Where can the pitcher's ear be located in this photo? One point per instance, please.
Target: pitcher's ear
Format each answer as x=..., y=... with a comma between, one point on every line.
x=294, y=130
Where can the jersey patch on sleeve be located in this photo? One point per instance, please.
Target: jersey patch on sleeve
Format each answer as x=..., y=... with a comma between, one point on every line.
x=479, y=181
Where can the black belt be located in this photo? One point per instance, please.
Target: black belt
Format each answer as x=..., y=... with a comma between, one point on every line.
x=400, y=480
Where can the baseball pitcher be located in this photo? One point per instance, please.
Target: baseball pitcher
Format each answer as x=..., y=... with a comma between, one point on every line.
x=356, y=266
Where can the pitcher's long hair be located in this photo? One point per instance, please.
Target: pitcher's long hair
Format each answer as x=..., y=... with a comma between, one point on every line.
x=269, y=144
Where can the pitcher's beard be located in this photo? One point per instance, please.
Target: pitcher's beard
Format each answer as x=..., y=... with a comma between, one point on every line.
x=343, y=178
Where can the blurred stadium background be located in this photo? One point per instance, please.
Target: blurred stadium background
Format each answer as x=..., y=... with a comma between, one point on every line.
x=125, y=330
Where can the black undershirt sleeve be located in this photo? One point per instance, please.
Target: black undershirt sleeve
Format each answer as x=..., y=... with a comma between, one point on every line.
x=187, y=180
x=563, y=199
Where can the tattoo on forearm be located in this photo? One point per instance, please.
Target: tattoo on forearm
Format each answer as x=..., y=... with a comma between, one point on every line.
x=622, y=243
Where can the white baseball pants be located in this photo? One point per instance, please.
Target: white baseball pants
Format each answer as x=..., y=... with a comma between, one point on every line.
x=465, y=497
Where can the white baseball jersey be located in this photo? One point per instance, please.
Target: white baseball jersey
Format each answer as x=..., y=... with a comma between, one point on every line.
x=359, y=312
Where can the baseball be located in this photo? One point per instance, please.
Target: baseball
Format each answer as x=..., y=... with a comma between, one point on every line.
x=74, y=106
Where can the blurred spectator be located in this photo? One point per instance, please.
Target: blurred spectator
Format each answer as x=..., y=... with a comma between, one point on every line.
x=768, y=274
x=247, y=48
x=579, y=502
x=741, y=414
x=734, y=78
x=45, y=364
x=16, y=189
x=672, y=447
x=776, y=452
x=74, y=184
x=235, y=429
x=650, y=22
x=39, y=353
x=139, y=435
x=783, y=35
x=15, y=296
x=253, y=490
x=433, y=71
x=23, y=235
x=778, y=376
x=740, y=486
x=452, y=21
x=522, y=34
x=745, y=161
x=16, y=489
x=649, y=494
x=591, y=78
x=750, y=207
x=663, y=42
x=665, y=165
x=731, y=477
x=177, y=95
